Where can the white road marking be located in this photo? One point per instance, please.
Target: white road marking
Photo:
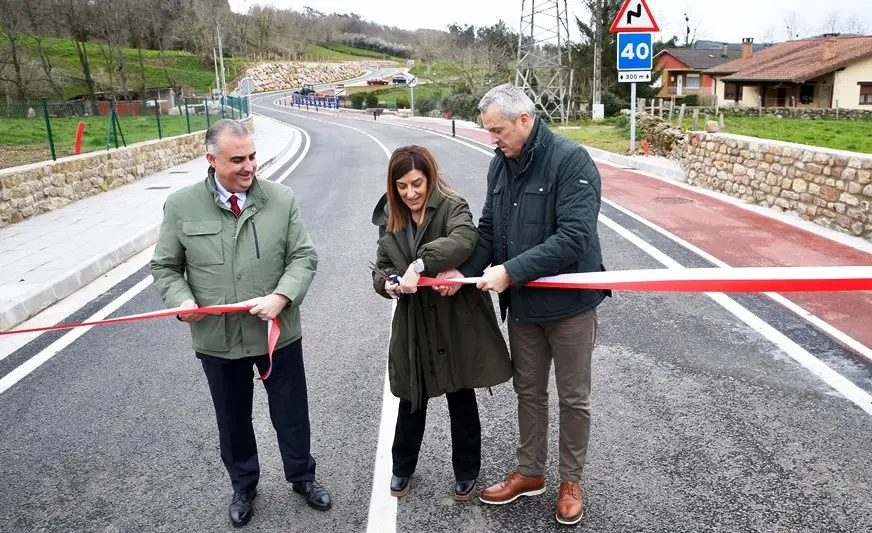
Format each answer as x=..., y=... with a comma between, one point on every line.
x=841, y=384
x=54, y=348
x=812, y=319
x=382, y=514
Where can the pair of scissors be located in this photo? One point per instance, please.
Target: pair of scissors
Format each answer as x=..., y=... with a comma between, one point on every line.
x=393, y=278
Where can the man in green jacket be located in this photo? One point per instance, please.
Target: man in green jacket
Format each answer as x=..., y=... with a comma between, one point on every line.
x=540, y=219
x=233, y=238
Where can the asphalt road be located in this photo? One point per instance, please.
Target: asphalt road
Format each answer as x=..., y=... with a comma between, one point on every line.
x=700, y=422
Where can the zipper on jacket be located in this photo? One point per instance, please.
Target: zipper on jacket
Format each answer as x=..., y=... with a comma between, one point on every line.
x=256, y=244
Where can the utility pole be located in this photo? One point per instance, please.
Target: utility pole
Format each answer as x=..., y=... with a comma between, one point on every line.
x=597, y=111
x=215, y=62
x=221, y=58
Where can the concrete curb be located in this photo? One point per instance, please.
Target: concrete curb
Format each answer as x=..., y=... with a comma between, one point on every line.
x=637, y=164
x=65, y=285
x=32, y=303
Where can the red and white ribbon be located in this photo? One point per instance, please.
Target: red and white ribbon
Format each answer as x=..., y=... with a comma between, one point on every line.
x=273, y=329
x=744, y=279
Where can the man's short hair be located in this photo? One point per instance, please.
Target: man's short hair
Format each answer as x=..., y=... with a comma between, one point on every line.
x=511, y=101
x=225, y=126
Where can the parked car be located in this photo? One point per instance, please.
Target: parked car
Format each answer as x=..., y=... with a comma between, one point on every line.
x=399, y=78
x=376, y=81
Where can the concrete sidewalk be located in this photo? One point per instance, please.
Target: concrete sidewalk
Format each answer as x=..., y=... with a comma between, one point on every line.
x=50, y=256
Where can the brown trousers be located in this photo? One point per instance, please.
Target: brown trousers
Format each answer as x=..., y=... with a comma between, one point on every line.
x=569, y=343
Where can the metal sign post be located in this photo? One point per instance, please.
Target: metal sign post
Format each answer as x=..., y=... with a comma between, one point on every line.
x=635, y=46
x=411, y=81
x=247, y=86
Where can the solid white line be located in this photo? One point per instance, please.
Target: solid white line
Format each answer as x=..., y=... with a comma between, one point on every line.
x=842, y=337
x=378, y=142
x=382, y=514
x=299, y=160
x=54, y=348
x=842, y=385
x=72, y=303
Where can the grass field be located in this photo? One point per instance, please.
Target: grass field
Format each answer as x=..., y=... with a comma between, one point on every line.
x=25, y=141
x=612, y=134
x=850, y=135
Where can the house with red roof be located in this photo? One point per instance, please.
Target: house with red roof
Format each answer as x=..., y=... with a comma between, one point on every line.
x=830, y=71
x=682, y=70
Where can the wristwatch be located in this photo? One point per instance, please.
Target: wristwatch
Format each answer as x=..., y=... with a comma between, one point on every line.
x=418, y=265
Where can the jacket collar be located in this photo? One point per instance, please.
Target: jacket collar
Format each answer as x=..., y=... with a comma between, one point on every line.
x=539, y=139
x=255, y=196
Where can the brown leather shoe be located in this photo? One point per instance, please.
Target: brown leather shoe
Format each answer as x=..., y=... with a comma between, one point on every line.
x=570, y=503
x=513, y=487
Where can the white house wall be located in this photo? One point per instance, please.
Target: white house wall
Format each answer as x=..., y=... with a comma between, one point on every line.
x=847, y=92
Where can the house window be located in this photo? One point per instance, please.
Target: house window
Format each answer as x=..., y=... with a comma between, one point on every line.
x=806, y=93
x=732, y=91
x=693, y=81
x=866, y=94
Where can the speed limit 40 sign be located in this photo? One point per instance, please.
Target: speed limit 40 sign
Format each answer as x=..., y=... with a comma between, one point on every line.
x=634, y=51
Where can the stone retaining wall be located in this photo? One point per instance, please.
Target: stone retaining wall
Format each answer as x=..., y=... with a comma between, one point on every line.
x=30, y=190
x=789, y=112
x=292, y=74
x=829, y=187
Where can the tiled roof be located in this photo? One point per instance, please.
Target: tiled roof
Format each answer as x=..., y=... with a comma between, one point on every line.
x=797, y=61
x=701, y=59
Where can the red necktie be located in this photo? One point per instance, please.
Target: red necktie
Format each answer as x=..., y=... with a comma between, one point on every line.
x=234, y=205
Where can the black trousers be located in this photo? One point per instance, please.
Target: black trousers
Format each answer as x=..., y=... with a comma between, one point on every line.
x=231, y=383
x=465, y=435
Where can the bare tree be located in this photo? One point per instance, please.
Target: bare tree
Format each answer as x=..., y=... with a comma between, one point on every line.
x=832, y=23
x=12, y=25
x=263, y=19
x=690, y=33
x=41, y=20
x=792, y=25
x=77, y=17
x=136, y=18
x=112, y=23
x=853, y=25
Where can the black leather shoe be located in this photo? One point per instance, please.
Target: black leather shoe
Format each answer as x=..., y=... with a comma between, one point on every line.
x=399, y=486
x=242, y=507
x=316, y=495
x=463, y=490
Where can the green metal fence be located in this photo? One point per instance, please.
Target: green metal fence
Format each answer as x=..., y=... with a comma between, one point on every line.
x=38, y=130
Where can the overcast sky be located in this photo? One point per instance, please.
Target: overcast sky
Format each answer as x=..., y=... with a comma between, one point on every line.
x=728, y=20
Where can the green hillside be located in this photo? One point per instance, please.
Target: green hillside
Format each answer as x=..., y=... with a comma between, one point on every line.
x=182, y=68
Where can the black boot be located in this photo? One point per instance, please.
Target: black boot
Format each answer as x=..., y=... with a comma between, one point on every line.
x=463, y=490
x=399, y=486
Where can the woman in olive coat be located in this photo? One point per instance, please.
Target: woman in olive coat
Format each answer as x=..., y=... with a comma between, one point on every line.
x=438, y=345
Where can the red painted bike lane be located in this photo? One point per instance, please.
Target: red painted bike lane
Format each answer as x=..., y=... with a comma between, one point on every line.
x=736, y=236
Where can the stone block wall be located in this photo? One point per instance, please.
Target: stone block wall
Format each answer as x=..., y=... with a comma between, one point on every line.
x=291, y=74
x=811, y=113
x=30, y=190
x=828, y=187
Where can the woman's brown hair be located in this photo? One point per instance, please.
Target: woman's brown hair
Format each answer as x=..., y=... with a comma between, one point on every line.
x=404, y=160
